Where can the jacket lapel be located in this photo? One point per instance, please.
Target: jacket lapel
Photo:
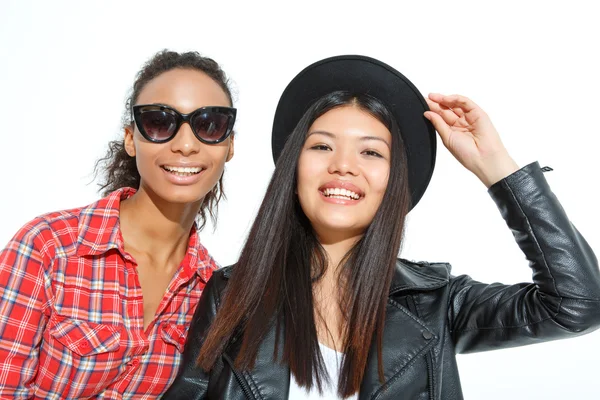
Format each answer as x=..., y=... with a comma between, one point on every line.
x=405, y=336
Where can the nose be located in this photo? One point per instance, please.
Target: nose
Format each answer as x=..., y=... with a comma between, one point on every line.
x=343, y=162
x=185, y=142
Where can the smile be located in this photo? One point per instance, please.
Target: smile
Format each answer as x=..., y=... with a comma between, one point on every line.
x=338, y=193
x=182, y=171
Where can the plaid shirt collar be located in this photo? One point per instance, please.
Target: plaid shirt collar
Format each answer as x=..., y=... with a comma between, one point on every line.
x=105, y=214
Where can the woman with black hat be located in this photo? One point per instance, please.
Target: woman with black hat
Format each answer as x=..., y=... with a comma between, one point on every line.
x=319, y=306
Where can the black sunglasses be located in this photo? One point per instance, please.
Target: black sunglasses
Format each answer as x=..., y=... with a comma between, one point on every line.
x=159, y=123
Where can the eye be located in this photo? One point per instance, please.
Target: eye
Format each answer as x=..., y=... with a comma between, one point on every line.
x=372, y=153
x=321, y=146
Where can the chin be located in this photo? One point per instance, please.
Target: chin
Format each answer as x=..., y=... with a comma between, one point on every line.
x=184, y=198
x=180, y=195
x=342, y=225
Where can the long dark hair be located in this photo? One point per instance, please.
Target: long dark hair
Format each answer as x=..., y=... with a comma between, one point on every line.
x=281, y=259
x=118, y=167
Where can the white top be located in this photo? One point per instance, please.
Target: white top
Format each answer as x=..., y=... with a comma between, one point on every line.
x=333, y=362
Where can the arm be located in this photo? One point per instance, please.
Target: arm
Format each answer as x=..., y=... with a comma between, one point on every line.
x=191, y=381
x=23, y=307
x=564, y=298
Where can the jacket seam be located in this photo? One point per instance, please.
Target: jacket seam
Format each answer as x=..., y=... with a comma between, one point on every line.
x=527, y=324
x=404, y=310
x=252, y=384
x=239, y=376
x=534, y=237
x=433, y=364
x=507, y=327
x=395, y=289
x=399, y=373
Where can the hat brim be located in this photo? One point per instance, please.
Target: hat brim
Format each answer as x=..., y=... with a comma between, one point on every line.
x=360, y=74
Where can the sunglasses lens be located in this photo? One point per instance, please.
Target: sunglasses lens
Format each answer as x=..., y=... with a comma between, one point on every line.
x=158, y=124
x=211, y=126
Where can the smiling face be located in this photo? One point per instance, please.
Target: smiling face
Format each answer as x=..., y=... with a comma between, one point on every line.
x=182, y=170
x=343, y=171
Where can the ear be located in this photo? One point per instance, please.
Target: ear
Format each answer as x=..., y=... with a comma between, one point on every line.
x=231, y=146
x=128, y=141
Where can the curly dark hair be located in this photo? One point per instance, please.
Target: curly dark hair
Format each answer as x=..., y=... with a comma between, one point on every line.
x=119, y=168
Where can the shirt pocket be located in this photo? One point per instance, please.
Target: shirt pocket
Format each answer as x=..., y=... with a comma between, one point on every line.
x=85, y=338
x=174, y=334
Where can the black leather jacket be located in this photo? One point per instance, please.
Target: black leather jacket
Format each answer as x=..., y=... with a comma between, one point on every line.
x=432, y=315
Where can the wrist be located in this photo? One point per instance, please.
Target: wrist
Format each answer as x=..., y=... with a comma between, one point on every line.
x=496, y=168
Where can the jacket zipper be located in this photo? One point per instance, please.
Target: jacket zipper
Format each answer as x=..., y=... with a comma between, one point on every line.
x=241, y=380
x=428, y=359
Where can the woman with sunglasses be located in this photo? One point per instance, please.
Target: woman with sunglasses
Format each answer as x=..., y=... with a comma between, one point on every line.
x=96, y=301
x=319, y=306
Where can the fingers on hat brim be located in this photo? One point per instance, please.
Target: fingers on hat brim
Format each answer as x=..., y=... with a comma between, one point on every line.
x=439, y=124
x=454, y=100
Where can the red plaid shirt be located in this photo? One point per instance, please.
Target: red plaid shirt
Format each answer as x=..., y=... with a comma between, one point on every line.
x=71, y=310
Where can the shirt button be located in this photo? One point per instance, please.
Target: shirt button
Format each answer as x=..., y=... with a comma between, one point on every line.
x=182, y=341
x=135, y=362
x=84, y=345
x=427, y=335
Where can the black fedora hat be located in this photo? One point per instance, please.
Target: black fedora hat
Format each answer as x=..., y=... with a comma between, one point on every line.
x=360, y=74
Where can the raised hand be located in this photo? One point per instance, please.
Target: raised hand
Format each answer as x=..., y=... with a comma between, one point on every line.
x=467, y=131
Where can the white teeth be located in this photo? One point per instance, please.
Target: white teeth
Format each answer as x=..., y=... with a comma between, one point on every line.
x=183, y=170
x=339, y=193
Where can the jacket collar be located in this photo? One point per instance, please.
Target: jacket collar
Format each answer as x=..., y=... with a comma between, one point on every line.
x=421, y=276
x=408, y=275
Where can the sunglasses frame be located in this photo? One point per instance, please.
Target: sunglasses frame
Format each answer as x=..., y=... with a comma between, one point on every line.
x=181, y=118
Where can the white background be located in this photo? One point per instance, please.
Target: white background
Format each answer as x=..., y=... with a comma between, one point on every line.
x=66, y=67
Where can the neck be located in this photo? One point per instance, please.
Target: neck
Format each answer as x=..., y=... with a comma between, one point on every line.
x=154, y=227
x=337, y=245
x=328, y=292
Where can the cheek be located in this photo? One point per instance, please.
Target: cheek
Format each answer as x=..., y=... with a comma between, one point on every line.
x=218, y=156
x=305, y=172
x=145, y=154
x=307, y=185
x=378, y=180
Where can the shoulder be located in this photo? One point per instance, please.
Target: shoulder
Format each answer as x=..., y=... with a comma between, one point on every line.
x=34, y=247
x=31, y=240
x=436, y=269
x=224, y=273
x=43, y=232
x=57, y=233
x=218, y=281
x=63, y=224
x=420, y=275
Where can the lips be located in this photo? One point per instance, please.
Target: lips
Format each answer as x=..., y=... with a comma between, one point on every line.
x=341, y=190
x=182, y=170
x=340, y=193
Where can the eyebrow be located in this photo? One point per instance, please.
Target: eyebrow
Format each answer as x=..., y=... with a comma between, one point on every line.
x=362, y=138
x=158, y=105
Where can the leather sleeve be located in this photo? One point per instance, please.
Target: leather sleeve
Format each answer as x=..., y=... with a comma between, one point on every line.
x=191, y=381
x=564, y=298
